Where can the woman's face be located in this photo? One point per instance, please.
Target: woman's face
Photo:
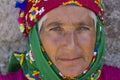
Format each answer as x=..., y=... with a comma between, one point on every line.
x=68, y=36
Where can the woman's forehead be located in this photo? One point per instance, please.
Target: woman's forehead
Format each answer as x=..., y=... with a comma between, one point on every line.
x=68, y=10
x=69, y=14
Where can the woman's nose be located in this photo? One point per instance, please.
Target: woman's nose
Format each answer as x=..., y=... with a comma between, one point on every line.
x=70, y=41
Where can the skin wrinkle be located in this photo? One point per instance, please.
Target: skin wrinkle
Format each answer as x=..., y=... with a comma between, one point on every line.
x=69, y=48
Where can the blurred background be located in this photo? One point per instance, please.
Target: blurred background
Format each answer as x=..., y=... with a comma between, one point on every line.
x=12, y=40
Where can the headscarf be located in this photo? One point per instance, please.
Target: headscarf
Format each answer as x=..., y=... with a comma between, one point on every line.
x=34, y=61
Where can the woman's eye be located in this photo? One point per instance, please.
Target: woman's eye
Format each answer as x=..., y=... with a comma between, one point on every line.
x=56, y=29
x=82, y=29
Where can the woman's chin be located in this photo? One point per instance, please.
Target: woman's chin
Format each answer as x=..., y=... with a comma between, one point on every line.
x=70, y=74
x=71, y=71
x=72, y=68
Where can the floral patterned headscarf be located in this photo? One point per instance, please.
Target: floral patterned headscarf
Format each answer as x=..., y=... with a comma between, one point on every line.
x=34, y=61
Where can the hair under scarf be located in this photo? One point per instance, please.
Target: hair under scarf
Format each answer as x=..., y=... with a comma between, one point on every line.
x=34, y=61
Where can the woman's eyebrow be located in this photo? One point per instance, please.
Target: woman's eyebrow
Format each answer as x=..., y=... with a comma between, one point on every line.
x=84, y=24
x=54, y=23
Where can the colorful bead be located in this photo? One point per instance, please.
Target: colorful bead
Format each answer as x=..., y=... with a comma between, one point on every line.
x=49, y=62
x=92, y=78
x=22, y=14
x=22, y=28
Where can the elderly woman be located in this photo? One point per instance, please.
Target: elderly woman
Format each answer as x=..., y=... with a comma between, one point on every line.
x=65, y=42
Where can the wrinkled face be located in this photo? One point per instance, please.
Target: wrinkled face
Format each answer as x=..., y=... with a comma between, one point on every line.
x=68, y=36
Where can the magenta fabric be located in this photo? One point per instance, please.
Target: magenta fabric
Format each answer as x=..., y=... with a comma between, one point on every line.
x=14, y=76
x=108, y=73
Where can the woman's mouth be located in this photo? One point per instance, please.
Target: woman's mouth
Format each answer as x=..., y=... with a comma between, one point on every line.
x=69, y=59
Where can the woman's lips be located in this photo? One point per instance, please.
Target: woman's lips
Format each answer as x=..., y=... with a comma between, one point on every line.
x=69, y=59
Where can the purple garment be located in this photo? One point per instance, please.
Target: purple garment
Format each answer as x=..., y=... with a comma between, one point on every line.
x=14, y=76
x=108, y=73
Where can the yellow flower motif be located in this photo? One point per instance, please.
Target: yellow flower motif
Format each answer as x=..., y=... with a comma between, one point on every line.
x=33, y=13
x=32, y=17
x=28, y=76
x=35, y=73
x=20, y=58
x=34, y=8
